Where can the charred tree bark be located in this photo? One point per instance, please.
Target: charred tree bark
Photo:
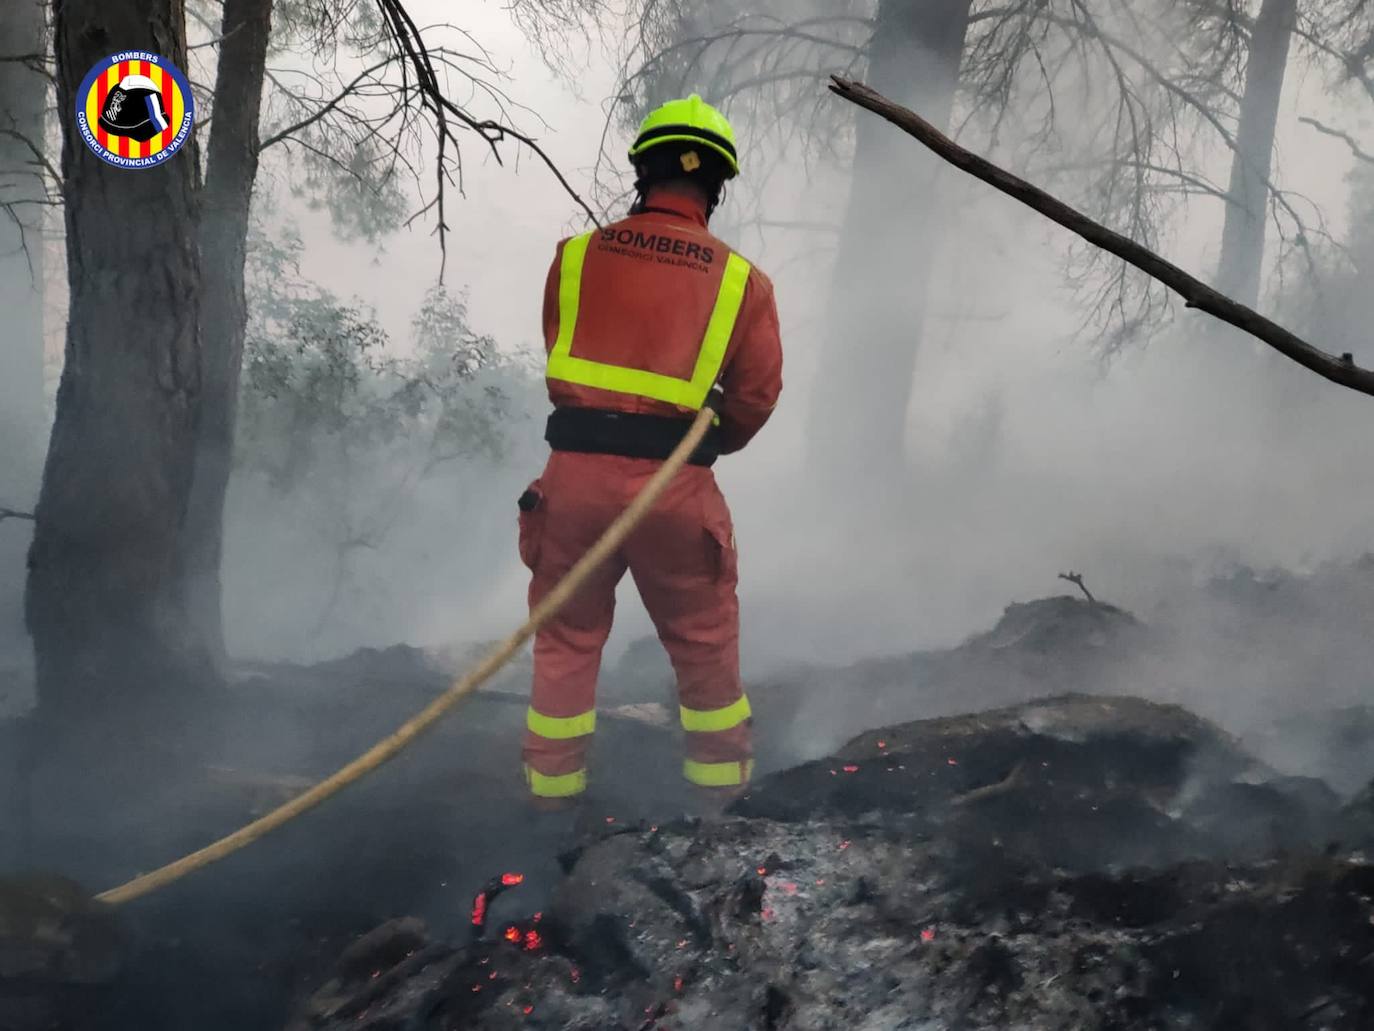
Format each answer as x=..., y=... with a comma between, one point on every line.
x=106, y=602
x=23, y=97
x=1242, y=242
x=889, y=243
x=231, y=169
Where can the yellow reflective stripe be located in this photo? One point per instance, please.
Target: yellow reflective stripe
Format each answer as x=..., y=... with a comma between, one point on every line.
x=719, y=329
x=566, y=786
x=561, y=728
x=709, y=721
x=569, y=298
x=718, y=775
x=564, y=366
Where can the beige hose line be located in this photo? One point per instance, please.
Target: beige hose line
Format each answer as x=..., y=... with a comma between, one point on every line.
x=390, y=747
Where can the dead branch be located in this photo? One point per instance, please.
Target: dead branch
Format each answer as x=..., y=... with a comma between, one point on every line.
x=9, y=513
x=1077, y=580
x=1196, y=294
x=408, y=39
x=1350, y=141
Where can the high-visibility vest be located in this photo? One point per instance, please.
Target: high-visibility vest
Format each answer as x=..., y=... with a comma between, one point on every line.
x=687, y=393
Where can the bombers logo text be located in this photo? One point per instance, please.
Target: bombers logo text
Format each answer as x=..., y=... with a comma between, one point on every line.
x=134, y=110
x=666, y=250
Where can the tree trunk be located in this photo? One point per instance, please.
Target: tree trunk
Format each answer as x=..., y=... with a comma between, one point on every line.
x=889, y=242
x=1242, y=241
x=23, y=98
x=231, y=170
x=107, y=587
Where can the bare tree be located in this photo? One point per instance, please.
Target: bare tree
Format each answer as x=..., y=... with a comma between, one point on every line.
x=1242, y=241
x=1000, y=69
x=123, y=592
x=225, y=201
x=1153, y=88
x=106, y=591
x=23, y=202
x=363, y=133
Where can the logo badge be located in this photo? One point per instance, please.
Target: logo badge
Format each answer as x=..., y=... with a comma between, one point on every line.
x=135, y=110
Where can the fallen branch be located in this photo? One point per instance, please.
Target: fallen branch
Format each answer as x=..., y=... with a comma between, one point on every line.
x=9, y=513
x=1077, y=580
x=1194, y=292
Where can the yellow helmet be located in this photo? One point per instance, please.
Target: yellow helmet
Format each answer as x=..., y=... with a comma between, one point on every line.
x=691, y=120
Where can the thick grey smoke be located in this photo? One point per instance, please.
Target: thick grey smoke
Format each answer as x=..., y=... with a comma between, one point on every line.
x=1191, y=455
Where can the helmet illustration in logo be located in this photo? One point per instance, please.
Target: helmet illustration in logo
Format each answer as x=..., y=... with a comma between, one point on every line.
x=134, y=109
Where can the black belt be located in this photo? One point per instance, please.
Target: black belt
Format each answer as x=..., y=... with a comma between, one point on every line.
x=595, y=431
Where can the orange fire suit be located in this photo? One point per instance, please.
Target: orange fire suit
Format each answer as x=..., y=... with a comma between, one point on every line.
x=640, y=319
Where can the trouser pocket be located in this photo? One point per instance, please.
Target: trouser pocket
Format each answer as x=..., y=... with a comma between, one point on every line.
x=720, y=540
x=533, y=506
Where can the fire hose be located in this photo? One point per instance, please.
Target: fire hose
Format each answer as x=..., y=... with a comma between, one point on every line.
x=390, y=747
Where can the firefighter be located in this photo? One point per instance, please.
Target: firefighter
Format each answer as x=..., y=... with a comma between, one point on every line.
x=646, y=322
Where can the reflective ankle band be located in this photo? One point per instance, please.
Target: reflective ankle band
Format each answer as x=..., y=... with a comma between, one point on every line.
x=566, y=786
x=561, y=728
x=718, y=775
x=709, y=721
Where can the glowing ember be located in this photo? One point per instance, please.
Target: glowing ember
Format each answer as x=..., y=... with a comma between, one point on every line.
x=952, y=762
x=677, y=983
x=768, y=914
x=833, y=773
x=538, y=916
x=844, y=845
x=763, y=871
x=882, y=744
x=479, y=910
x=820, y=882
x=928, y=935
x=510, y=880
x=476, y=988
x=851, y=769
x=533, y=941
x=491, y=976
x=512, y=933
x=529, y=1010
x=610, y=819
x=575, y=974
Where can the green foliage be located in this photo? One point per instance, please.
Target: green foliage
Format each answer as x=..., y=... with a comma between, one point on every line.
x=326, y=399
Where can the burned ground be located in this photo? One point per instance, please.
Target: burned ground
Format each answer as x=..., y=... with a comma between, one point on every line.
x=1077, y=862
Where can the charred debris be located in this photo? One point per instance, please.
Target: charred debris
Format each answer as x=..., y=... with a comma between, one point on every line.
x=1070, y=857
